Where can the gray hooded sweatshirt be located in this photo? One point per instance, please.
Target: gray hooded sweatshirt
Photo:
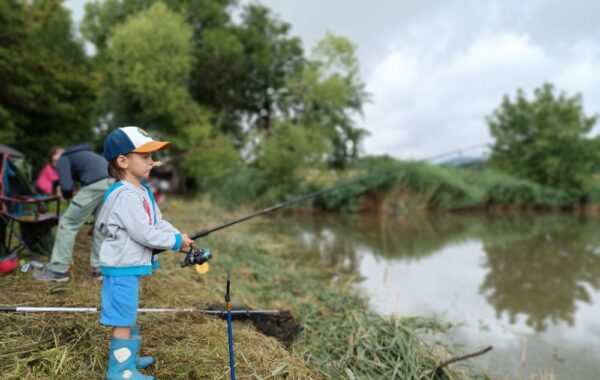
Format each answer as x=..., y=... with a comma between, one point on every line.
x=132, y=226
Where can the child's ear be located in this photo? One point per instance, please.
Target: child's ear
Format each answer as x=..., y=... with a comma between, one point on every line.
x=123, y=162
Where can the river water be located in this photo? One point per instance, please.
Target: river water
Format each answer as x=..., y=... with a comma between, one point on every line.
x=529, y=285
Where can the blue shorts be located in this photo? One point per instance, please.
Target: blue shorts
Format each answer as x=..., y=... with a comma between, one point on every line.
x=119, y=300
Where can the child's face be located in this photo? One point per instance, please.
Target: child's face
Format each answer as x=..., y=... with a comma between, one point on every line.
x=139, y=164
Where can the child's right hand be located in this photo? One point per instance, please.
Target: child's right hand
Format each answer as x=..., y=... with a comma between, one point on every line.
x=186, y=241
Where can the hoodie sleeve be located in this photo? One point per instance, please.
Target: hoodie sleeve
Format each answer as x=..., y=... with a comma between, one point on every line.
x=63, y=167
x=163, y=225
x=129, y=211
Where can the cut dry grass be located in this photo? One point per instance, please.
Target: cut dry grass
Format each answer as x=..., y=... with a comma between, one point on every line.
x=341, y=338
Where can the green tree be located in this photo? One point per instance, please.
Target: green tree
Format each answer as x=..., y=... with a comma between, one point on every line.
x=281, y=158
x=545, y=139
x=236, y=67
x=12, y=35
x=200, y=76
x=102, y=16
x=149, y=63
x=329, y=95
x=48, y=90
x=316, y=109
x=241, y=71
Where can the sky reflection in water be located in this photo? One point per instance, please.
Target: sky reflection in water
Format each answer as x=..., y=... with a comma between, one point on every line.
x=528, y=285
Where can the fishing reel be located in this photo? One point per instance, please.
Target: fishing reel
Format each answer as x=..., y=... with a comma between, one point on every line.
x=196, y=256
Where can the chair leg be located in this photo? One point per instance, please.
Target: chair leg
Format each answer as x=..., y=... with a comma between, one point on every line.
x=10, y=231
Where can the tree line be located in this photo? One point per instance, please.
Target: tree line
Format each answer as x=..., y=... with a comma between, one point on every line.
x=244, y=104
x=228, y=93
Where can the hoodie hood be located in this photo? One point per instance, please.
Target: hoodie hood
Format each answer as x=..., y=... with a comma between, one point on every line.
x=77, y=148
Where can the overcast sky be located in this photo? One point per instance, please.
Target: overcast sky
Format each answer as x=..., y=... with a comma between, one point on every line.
x=435, y=69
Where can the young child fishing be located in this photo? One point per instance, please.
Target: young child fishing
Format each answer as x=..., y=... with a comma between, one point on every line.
x=132, y=226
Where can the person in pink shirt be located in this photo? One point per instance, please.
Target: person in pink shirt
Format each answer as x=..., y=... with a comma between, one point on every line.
x=48, y=178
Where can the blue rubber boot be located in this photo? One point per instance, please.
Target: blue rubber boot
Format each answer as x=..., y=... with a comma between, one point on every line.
x=141, y=361
x=121, y=360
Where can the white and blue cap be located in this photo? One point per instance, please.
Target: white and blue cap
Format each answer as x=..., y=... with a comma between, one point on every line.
x=131, y=139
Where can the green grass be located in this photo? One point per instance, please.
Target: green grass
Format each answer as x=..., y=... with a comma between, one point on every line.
x=341, y=338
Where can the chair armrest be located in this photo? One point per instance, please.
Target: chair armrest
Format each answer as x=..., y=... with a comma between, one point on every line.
x=31, y=199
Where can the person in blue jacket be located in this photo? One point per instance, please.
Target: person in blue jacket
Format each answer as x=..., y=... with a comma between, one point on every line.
x=80, y=164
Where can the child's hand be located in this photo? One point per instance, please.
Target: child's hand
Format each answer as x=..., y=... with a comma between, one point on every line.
x=186, y=241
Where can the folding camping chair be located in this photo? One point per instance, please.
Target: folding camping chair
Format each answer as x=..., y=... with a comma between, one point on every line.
x=35, y=215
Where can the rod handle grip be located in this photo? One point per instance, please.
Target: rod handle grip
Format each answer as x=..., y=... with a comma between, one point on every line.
x=199, y=234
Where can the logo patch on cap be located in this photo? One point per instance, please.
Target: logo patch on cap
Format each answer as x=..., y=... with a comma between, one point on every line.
x=144, y=133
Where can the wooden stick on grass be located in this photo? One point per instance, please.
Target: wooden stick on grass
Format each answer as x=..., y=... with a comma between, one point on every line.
x=460, y=358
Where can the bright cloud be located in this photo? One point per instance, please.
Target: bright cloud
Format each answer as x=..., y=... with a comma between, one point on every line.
x=425, y=104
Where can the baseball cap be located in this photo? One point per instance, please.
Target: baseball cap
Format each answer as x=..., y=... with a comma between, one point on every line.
x=130, y=139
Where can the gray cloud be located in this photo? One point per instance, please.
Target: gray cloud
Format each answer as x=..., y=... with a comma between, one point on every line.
x=436, y=69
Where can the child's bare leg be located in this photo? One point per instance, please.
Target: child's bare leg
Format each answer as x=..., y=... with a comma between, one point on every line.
x=121, y=332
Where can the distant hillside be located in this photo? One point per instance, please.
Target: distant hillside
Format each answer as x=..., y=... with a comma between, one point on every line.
x=464, y=162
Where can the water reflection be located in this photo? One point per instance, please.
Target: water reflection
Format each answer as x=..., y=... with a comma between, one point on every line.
x=538, y=266
x=336, y=237
x=542, y=272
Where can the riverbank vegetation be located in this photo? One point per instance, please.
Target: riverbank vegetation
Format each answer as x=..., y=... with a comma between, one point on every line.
x=543, y=157
x=340, y=337
x=387, y=185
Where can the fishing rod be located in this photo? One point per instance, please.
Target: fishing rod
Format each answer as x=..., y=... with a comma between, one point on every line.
x=203, y=233
x=94, y=310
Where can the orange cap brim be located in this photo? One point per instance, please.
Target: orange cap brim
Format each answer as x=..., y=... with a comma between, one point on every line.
x=152, y=146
